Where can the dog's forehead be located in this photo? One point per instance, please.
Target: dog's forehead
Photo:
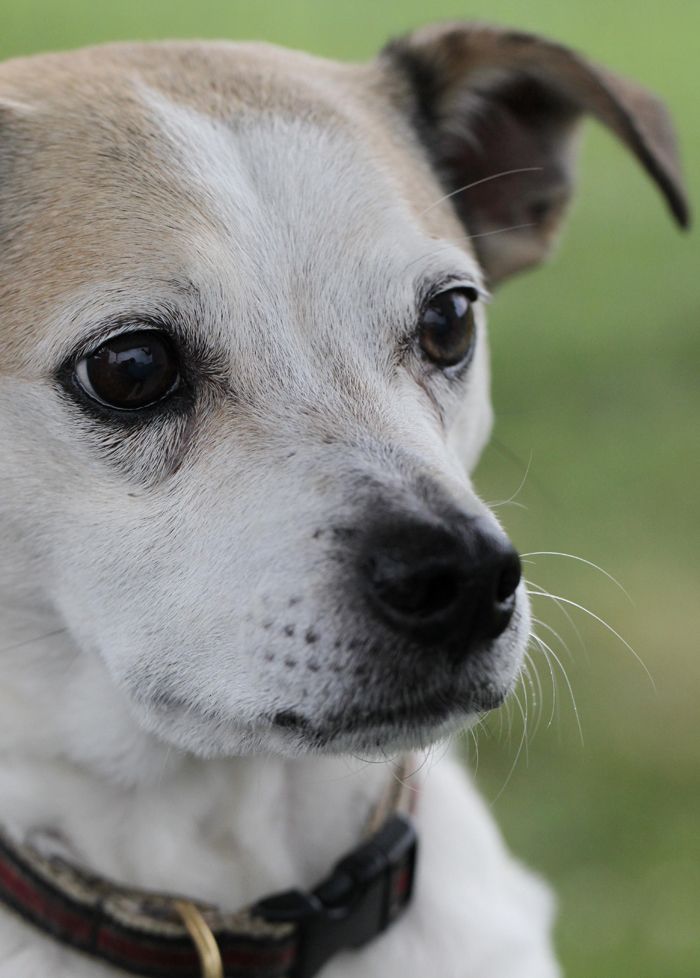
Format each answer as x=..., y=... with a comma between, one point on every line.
x=262, y=174
x=285, y=200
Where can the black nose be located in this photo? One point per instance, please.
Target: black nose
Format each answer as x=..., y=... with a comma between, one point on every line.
x=436, y=584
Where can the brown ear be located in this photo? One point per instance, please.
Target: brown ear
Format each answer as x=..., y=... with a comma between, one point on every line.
x=486, y=100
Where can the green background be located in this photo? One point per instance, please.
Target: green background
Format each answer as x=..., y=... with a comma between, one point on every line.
x=595, y=385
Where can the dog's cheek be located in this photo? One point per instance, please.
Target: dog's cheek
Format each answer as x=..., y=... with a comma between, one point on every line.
x=184, y=615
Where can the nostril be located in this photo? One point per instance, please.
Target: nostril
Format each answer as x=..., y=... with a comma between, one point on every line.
x=435, y=593
x=422, y=591
x=509, y=578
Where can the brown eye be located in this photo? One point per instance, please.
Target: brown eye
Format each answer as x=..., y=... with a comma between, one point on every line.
x=130, y=371
x=447, y=327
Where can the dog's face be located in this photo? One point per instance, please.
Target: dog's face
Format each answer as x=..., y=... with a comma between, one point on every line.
x=245, y=372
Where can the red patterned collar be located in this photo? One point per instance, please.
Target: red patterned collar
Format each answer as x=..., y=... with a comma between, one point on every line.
x=287, y=935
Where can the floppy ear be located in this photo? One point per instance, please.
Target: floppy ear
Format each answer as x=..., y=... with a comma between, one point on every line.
x=486, y=100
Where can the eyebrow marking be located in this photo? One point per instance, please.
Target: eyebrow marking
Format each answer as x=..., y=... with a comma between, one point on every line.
x=116, y=315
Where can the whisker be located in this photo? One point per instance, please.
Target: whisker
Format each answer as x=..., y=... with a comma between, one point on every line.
x=164, y=766
x=507, y=453
x=501, y=714
x=507, y=502
x=523, y=716
x=582, y=560
x=513, y=765
x=509, y=720
x=555, y=633
x=433, y=754
x=471, y=734
x=476, y=750
x=528, y=688
x=555, y=685
x=512, y=227
x=431, y=254
x=511, y=499
x=31, y=641
x=476, y=183
x=564, y=673
x=601, y=621
x=543, y=592
x=536, y=690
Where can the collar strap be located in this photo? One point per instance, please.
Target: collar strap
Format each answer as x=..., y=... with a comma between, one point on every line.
x=287, y=935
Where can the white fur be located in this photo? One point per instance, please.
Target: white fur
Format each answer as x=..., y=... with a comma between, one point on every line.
x=138, y=728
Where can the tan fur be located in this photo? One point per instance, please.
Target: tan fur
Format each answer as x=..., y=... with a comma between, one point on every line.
x=84, y=188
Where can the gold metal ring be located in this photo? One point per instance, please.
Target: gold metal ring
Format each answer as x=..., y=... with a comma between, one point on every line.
x=202, y=938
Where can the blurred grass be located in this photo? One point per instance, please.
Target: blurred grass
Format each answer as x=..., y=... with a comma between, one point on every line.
x=596, y=382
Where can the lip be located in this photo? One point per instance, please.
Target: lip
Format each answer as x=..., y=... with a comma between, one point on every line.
x=432, y=711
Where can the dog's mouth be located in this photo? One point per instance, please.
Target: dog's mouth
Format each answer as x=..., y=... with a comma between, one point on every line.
x=412, y=718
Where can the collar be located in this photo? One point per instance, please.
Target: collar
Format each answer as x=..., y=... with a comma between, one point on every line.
x=286, y=935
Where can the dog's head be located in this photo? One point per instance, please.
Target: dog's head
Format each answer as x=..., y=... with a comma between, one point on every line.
x=245, y=369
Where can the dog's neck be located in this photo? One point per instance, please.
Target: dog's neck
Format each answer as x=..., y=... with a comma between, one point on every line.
x=76, y=774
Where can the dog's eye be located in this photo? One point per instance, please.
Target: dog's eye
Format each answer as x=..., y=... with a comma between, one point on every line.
x=447, y=328
x=130, y=371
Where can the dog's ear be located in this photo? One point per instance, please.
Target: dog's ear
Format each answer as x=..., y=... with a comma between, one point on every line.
x=487, y=101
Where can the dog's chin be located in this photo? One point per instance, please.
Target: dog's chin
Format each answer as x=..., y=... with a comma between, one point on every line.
x=384, y=727
x=376, y=737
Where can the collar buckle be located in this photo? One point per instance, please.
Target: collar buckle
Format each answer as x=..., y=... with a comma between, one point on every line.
x=368, y=889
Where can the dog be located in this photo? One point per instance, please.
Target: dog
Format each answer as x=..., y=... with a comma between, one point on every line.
x=244, y=570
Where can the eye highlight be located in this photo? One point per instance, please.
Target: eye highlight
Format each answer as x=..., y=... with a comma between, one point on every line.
x=130, y=371
x=447, y=327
